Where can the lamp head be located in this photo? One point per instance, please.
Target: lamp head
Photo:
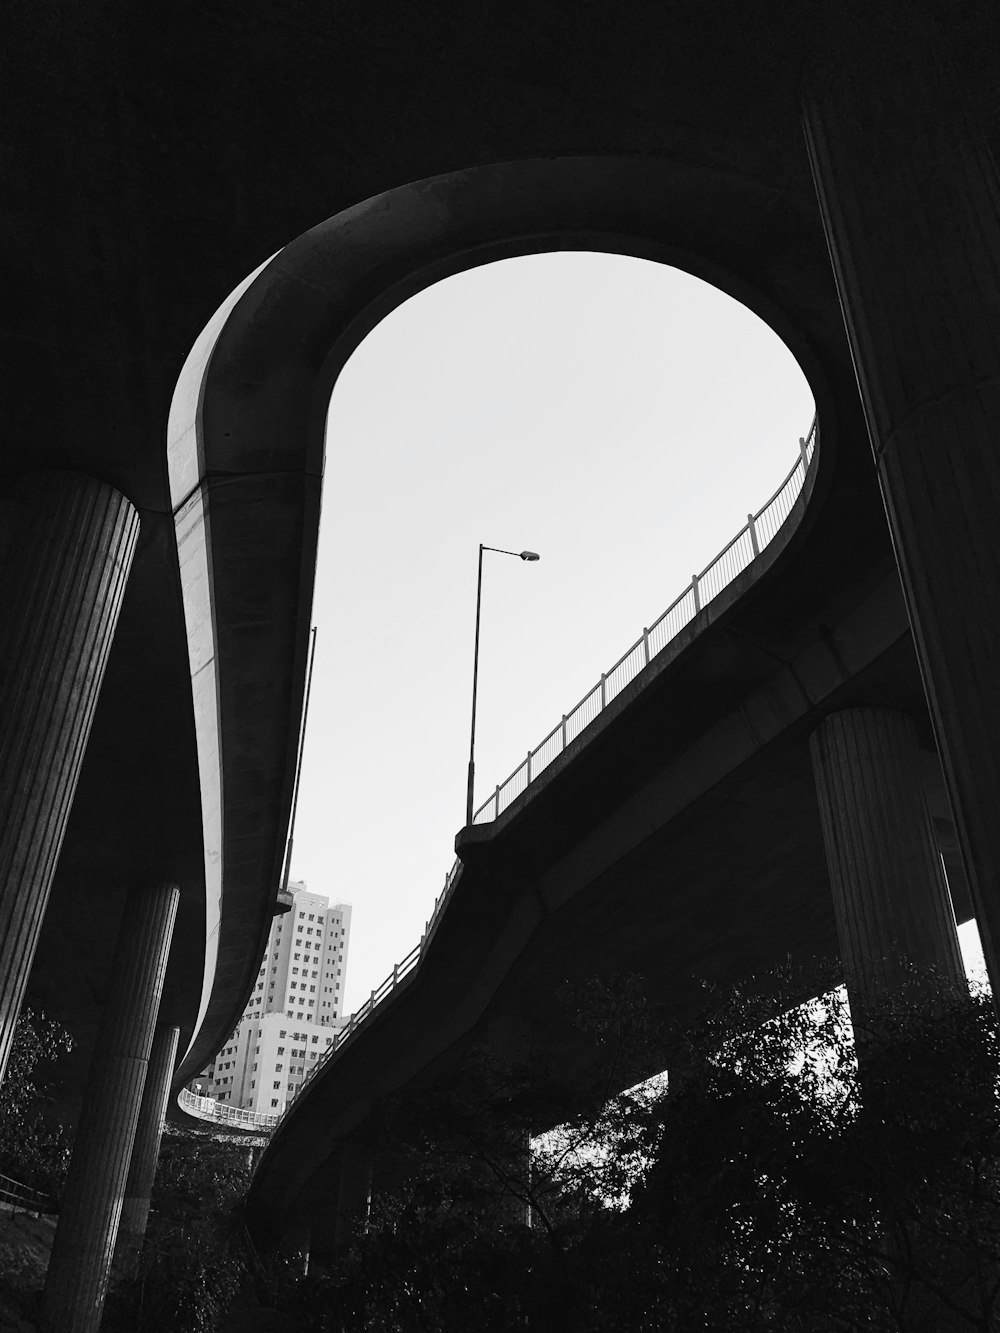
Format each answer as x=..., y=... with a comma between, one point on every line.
x=530, y=555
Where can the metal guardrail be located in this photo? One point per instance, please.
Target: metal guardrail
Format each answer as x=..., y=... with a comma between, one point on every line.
x=761, y=528
x=207, y=1108
x=732, y=560
x=15, y=1195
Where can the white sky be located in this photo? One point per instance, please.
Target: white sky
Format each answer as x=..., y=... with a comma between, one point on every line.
x=617, y=416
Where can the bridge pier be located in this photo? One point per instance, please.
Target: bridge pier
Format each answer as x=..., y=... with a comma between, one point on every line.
x=296, y=1242
x=910, y=203
x=890, y=896
x=146, y=1149
x=66, y=547
x=354, y=1190
x=509, y=1039
x=84, y=1242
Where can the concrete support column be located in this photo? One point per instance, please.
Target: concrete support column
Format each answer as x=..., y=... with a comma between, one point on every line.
x=910, y=202
x=889, y=891
x=146, y=1150
x=66, y=547
x=509, y=1040
x=354, y=1190
x=84, y=1242
x=296, y=1243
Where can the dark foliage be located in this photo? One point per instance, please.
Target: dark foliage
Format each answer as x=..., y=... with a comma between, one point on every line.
x=34, y=1146
x=771, y=1190
x=193, y=1261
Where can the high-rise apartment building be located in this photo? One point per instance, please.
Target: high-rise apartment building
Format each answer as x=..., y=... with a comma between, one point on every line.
x=294, y=1012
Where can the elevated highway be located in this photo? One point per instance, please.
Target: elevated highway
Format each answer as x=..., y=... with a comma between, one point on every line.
x=833, y=172
x=678, y=837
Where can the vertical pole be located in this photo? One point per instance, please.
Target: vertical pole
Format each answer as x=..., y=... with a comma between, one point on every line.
x=298, y=764
x=752, y=529
x=645, y=644
x=475, y=687
x=697, y=593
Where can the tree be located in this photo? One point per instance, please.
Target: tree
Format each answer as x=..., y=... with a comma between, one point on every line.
x=193, y=1259
x=34, y=1145
x=789, y=1193
x=774, y=1188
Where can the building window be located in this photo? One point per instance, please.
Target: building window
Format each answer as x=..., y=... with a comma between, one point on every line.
x=274, y=1101
x=277, y=1083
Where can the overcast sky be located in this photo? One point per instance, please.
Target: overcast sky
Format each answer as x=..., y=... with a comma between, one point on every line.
x=617, y=416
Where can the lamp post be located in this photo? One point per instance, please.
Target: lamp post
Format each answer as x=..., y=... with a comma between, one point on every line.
x=521, y=555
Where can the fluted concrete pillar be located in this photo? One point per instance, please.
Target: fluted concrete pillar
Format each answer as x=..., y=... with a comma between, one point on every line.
x=146, y=1149
x=66, y=547
x=95, y=1187
x=889, y=892
x=910, y=202
x=296, y=1242
x=354, y=1189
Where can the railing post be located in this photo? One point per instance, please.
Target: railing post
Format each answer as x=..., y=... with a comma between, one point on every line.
x=395, y=975
x=604, y=690
x=697, y=593
x=804, y=451
x=752, y=529
x=564, y=731
x=496, y=802
x=645, y=643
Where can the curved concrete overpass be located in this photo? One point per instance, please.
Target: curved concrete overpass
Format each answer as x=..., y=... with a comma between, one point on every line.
x=679, y=837
x=181, y=198
x=158, y=159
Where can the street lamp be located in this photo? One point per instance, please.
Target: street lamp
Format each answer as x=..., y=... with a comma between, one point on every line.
x=522, y=555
